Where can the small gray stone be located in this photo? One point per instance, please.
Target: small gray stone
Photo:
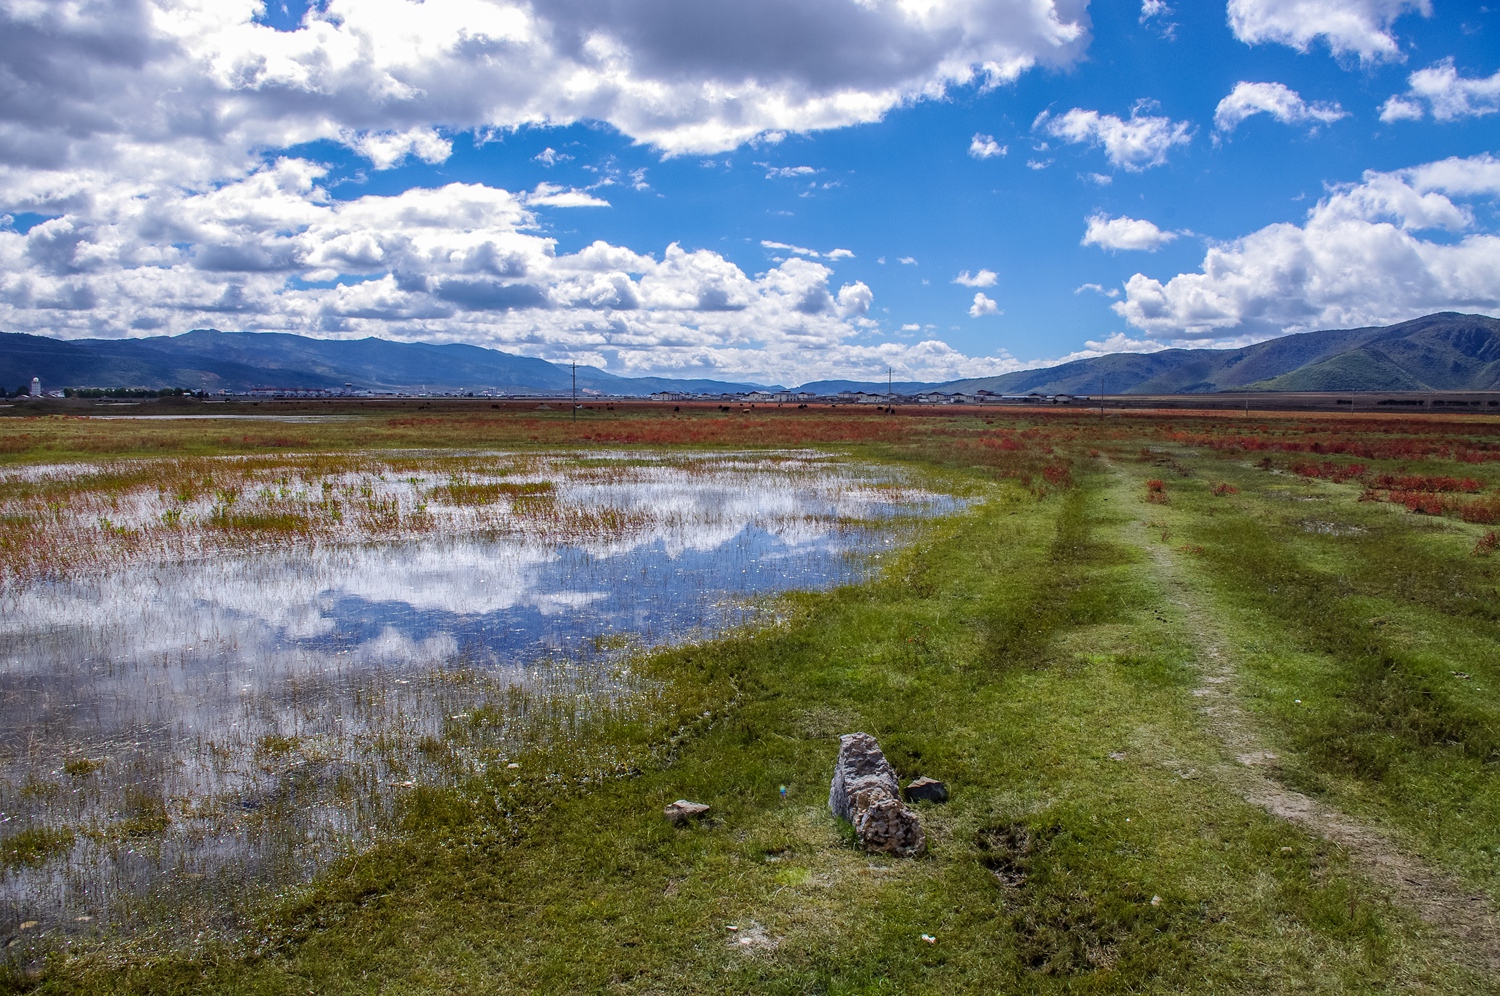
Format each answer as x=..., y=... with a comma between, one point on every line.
x=865, y=792
x=681, y=811
x=927, y=790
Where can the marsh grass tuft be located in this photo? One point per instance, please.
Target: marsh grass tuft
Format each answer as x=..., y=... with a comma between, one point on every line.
x=35, y=845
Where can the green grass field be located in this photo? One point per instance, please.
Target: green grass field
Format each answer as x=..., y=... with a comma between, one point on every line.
x=1211, y=724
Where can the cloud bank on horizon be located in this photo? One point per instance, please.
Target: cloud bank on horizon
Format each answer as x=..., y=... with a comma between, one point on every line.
x=636, y=185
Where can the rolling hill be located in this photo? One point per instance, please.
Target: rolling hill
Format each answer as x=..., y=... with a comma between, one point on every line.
x=210, y=360
x=1441, y=352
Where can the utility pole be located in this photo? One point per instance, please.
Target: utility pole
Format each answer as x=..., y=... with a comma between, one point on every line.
x=575, y=390
x=890, y=393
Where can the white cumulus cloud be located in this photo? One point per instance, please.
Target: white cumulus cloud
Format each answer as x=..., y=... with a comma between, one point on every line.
x=1360, y=258
x=1135, y=144
x=387, y=149
x=551, y=157
x=192, y=87
x=1448, y=95
x=985, y=147
x=1276, y=99
x=1347, y=27
x=1124, y=233
x=984, y=278
x=272, y=251
x=983, y=306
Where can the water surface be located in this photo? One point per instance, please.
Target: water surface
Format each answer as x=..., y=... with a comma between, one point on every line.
x=206, y=724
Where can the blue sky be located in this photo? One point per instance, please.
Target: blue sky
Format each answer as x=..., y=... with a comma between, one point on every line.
x=660, y=187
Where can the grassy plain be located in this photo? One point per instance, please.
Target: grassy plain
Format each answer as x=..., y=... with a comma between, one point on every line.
x=1086, y=657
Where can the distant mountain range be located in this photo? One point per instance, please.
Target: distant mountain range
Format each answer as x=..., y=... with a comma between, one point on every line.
x=210, y=360
x=1442, y=352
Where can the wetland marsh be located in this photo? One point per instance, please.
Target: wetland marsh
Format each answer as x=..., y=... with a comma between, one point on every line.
x=230, y=682
x=1215, y=698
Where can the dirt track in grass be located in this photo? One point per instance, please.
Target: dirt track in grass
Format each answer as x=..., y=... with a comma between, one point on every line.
x=1467, y=920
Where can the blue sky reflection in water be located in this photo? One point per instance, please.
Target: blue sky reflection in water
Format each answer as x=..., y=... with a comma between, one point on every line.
x=653, y=594
x=253, y=714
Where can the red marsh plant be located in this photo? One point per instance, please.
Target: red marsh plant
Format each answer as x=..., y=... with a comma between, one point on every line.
x=1416, y=482
x=1328, y=470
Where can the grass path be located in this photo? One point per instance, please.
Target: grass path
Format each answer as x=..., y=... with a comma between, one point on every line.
x=1466, y=918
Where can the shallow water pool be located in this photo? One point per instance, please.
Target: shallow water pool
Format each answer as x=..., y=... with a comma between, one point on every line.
x=190, y=721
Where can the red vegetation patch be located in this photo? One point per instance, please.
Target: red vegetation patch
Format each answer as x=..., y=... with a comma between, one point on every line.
x=1221, y=489
x=1422, y=502
x=1484, y=511
x=1415, y=482
x=1058, y=475
x=1486, y=544
x=1336, y=472
x=1375, y=439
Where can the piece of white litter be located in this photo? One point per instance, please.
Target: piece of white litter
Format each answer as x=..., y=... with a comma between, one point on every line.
x=733, y=927
x=929, y=938
x=512, y=765
x=1155, y=900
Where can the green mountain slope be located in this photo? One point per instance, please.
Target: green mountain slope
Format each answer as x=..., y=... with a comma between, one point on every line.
x=1441, y=352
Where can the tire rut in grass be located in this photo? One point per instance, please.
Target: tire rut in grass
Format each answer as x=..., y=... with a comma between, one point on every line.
x=1064, y=595
x=1467, y=920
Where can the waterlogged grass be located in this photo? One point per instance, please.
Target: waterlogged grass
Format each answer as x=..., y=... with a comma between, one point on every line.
x=1018, y=651
x=229, y=722
x=58, y=520
x=35, y=845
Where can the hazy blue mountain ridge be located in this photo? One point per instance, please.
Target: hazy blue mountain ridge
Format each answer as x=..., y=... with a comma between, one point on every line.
x=210, y=360
x=1441, y=352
